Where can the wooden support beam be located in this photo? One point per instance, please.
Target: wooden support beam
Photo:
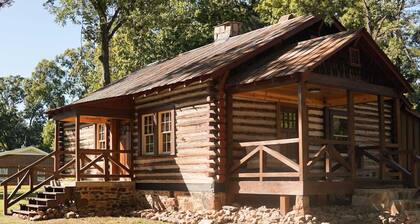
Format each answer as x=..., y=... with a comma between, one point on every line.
x=131, y=155
x=303, y=130
x=115, y=145
x=301, y=204
x=77, y=146
x=381, y=127
x=351, y=132
x=356, y=86
x=284, y=204
x=106, y=158
x=261, y=164
x=396, y=119
x=57, y=146
x=231, y=191
x=5, y=201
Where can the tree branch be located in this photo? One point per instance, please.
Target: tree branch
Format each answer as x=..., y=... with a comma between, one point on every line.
x=116, y=27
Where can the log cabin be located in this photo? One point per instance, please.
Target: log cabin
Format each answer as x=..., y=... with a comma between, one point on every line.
x=301, y=109
x=13, y=161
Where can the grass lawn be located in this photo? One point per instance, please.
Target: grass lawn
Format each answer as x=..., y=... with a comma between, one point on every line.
x=90, y=220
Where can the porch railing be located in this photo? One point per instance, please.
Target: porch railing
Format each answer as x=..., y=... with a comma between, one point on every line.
x=332, y=159
x=389, y=158
x=92, y=158
x=327, y=154
x=262, y=148
x=28, y=174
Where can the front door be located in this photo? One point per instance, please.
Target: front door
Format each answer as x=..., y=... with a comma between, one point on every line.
x=125, y=143
x=287, y=128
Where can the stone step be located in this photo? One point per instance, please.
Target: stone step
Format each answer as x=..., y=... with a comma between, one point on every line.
x=36, y=207
x=413, y=216
x=25, y=212
x=406, y=204
x=43, y=201
x=50, y=188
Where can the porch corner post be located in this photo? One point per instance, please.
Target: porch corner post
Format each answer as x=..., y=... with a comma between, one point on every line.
x=57, y=146
x=350, y=130
x=397, y=124
x=381, y=135
x=303, y=130
x=77, y=146
x=131, y=154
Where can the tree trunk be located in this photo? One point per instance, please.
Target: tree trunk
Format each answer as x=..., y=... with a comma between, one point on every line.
x=106, y=76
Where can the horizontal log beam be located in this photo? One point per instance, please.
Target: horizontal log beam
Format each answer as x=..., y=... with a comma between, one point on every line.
x=270, y=142
x=357, y=86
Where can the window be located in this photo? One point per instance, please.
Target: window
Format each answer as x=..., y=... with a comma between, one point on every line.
x=102, y=136
x=165, y=132
x=354, y=57
x=148, y=134
x=41, y=176
x=339, y=127
x=288, y=120
x=158, y=133
x=4, y=171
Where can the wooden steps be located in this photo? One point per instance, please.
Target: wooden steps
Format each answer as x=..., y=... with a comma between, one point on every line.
x=51, y=197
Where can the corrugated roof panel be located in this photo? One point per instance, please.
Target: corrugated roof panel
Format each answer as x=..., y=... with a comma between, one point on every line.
x=296, y=58
x=198, y=62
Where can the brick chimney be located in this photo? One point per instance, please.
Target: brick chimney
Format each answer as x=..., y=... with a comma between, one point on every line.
x=286, y=17
x=226, y=30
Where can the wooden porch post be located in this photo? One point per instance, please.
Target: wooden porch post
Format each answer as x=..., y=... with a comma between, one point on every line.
x=115, y=146
x=381, y=135
x=350, y=130
x=107, y=154
x=303, y=130
x=131, y=154
x=77, y=146
x=57, y=146
x=230, y=192
x=397, y=125
x=284, y=204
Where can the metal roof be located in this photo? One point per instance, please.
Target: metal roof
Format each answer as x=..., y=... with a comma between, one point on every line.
x=295, y=58
x=201, y=61
x=27, y=151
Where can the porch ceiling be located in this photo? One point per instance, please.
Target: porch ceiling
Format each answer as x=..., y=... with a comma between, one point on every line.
x=317, y=96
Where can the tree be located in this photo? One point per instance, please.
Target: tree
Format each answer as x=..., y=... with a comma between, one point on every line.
x=102, y=19
x=5, y=3
x=12, y=125
x=393, y=24
x=271, y=10
x=172, y=28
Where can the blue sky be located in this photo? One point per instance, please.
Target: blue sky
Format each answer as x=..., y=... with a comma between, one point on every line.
x=28, y=34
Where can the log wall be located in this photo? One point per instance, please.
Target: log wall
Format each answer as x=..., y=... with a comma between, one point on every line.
x=196, y=137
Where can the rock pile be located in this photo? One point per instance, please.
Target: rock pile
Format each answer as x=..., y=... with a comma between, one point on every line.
x=263, y=215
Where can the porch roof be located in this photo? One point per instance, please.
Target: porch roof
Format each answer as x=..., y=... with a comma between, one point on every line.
x=305, y=56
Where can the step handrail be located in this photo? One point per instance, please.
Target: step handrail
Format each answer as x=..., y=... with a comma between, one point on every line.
x=40, y=160
x=27, y=173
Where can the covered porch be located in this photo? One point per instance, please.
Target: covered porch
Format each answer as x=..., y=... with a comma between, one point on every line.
x=315, y=134
x=102, y=153
x=104, y=149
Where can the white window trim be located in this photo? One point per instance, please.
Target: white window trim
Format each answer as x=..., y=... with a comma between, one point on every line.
x=143, y=135
x=99, y=134
x=160, y=133
x=4, y=169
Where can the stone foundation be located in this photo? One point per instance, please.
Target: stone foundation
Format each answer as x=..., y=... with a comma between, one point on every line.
x=102, y=198
x=393, y=200
x=181, y=200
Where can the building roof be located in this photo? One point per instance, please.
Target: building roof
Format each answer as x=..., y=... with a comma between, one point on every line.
x=305, y=56
x=202, y=61
x=27, y=151
x=296, y=58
